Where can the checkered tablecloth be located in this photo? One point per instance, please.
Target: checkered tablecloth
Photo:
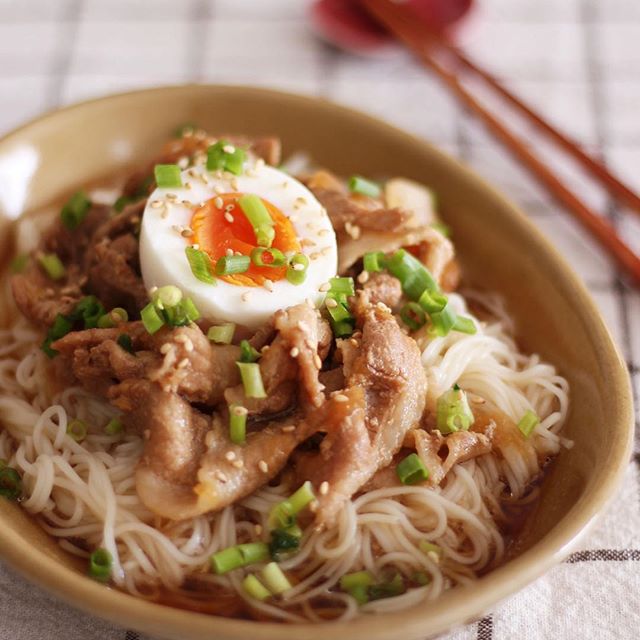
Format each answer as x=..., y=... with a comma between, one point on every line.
x=578, y=61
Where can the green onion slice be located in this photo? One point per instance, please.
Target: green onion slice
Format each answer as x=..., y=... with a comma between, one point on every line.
x=227, y=265
x=358, y=184
x=52, y=265
x=254, y=588
x=168, y=176
x=442, y=228
x=10, y=483
x=100, y=565
x=465, y=325
x=252, y=379
x=262, y=257
x=116, y=316
x=167, y=297
x=284, y=542
x=297, y=270
x=247, y=352
x=373, y=261
x=258, y=216
x=388, y=589
x=453, y=412
x=241, y=555
x=113, y=427
x=429, y=548
x=432, y=301
x=200, y=265
x=413, y=275
x=342, y=286
x=444, y=321
x=125, y=342
x=75, y=210
x=357, y=579
x=274, y=579
x=413, y=315
x=77, y=430
x=218, y=158
x=412, y=470
x=237, y=424
x=151, y=318
x=528, y=423
x=222, y=334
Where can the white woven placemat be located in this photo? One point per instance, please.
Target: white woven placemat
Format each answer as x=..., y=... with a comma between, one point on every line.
x=578, y=61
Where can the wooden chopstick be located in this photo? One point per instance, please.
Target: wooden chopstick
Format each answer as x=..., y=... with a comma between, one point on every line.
x=402, y=24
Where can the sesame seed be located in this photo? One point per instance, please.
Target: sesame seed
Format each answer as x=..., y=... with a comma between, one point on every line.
x=331, y=303
x=363, y=277
x=303, y=326
x=295, y=352
x=218, y=189
x=239, y=411
x=209, y=439
x=307, y=242
x=325, y=251
x=324, y=488
x=188, y=186
x=245, y=296
x=218, y=202
x=285, y=185
x=323, y=232
x=478, y=400
x=238, y=464
x=383, y=307
x=263, y=466
x=206, y=179
x=313, y=506
x=181, y=338
x=183, y=162
x=265, y=348
x=354, y=342
x=228, y=217
x=258, y=529
x=164, y=214
x=288, y=428
x=314, y=256
x=186, y=233
x=340, y=397
x=228, y=148
x=230, y=456
x=268, y=284
x=152, y=290
x=183, y=363
x=188, y=345
x=172, y=197
x=221, y=476
x=234, y=184
x=259, y=163
x=229, y=207
x=298, y=267
x=433, y=556
x=325, y=286
x=156, y=204
x=229, y=252
x=301, y=200
x=318, y=361
x=196, y=246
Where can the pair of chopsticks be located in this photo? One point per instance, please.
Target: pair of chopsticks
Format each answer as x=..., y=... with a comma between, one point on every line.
x=430, y=47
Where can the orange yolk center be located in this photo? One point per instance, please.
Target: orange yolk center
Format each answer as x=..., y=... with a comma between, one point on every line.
x=220, y=231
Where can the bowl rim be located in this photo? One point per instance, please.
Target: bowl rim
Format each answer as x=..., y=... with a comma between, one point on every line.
x=454, y=607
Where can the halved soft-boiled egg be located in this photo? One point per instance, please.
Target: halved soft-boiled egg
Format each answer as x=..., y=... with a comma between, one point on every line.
x=268, y=242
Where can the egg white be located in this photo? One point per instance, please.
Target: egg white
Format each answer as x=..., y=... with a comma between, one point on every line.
x=162, y=247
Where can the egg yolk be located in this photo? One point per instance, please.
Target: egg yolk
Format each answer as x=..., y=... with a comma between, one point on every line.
x=225, y=230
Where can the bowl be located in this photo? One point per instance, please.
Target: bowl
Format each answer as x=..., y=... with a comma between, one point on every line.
x=500, y=250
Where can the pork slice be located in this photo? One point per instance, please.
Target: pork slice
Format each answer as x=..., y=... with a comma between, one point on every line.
x=383, y=400
x=385, y=288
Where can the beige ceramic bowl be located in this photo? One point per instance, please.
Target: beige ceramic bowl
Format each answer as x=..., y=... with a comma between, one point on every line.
x=500, y=250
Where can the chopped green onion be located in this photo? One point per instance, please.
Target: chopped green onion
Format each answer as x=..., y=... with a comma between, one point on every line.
x=282, y=516
x=168, y=176
x=125, y=342
x=339, y=313
x=10, y=483
x=254, y=588
x=100, y=564
x=167, y=297
x=241, y=555
x=237, y=424
x=357, y=579
x=453, y=412
x=3, y=464
x=186, y=128
x=528, y=423
x=251, y=379
x=222, y=334
x=342, y=329
x=226, y=265
x=358, y=184
x=274, y=579
x=373, y=261
x=226, y=560
x=151, y=319
x=297, y=270
x=121, y=202
x=19, y=263
x=218, y=158
x=443, y=321
x=52, y=265
x=268, y=257
x=200, y=265
x=60, y=327
x=413, y=315
x=412, y=470
x=258, y=216
x=421, y=578
x=113, y=427
x=302, y=497
x=189, y=311
x=114, y=317
x=389, y=589
x=432, y=301
x=247, y=352
x=283, y=542
x=75, y=210
x=465, y=325
x=429, y=548
x=442, y=228
x=360, y=594
x=90, y=310
x=344, y=286
x=413, y=275
x=77, y=430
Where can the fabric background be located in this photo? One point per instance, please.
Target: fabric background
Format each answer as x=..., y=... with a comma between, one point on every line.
x=578, y=61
